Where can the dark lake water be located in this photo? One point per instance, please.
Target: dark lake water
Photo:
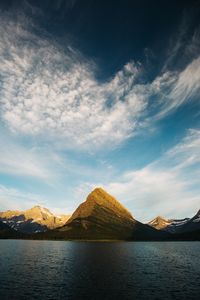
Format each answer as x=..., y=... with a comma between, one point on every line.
x=88, y=270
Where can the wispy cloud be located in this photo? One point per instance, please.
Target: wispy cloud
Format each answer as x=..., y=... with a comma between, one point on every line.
x=186, y=153
x=16, y=199
x=49, y=92
x=11, y=198
x=45, y=90
x=179, y=88
x=18, y=160
x=169, y=186
x=184, y=42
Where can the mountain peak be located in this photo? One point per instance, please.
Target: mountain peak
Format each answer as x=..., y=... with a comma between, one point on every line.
x=159, y=222
x=36, y=207
x=100, y=197
x=35, y=219
x=98, y=189
x=101, y=216
x=99, y=200
x=40, y=209
x=96, y=193
x=161, y=218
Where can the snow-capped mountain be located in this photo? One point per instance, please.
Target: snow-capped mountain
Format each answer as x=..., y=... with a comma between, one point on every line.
x=177, y=225
x=36, y=219
x=159, y=223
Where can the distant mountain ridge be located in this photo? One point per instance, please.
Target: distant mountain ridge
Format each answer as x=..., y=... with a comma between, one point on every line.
x=8, y=233
x=159, y=223
x=177, y=226
x=99, y=217
x=36, y=219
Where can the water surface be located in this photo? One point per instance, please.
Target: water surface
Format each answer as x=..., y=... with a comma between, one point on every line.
x=88, y=270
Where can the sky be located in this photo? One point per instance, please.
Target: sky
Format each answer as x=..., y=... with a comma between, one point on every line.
x=100, y=93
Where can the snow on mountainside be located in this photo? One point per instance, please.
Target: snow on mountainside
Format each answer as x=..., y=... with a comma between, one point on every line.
x=159, y=223
x=36, y=219
x=176, y=225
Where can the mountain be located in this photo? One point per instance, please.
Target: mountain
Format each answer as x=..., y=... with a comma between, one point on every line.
x=177, y=227
x=8, y=233
x=99, y=217
x=102, y=217
x=170, y=225
x=159, y=223
x=36, y=219
x=188, y=225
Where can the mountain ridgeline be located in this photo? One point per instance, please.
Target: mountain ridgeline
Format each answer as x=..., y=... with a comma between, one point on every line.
x=187, y=228
x=99, y=217
x=102, y=217
x=36, y=219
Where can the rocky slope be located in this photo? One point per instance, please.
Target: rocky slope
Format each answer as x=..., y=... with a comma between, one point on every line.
x=8, y=233
x=101, y=216
x=159, y=223
x=36, y=219
x=177, y=226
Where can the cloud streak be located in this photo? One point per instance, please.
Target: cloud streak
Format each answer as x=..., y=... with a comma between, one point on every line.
x=45, y=90
x=15, y=199
x=181, y=88
x=16, y=159
x=53, y=93
x=169, y=186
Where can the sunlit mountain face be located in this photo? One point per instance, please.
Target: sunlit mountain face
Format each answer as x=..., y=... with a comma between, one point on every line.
x=99, y=149
x=177, y=226
x=36, y=219
x=101, y=217
x=100, y=93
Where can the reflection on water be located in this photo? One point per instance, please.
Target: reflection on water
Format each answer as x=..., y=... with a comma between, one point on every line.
x=81, y=270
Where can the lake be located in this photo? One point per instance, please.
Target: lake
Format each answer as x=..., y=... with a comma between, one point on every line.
x=94, y=270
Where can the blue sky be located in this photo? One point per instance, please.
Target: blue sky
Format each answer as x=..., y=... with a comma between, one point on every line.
x=97, y=94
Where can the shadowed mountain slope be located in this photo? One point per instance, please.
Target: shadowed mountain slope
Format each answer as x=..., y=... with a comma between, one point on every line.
x=8, y=233
x=182, y=227
x=99, y=217
x=102, y=217
x=36, y=219
x=159, y=223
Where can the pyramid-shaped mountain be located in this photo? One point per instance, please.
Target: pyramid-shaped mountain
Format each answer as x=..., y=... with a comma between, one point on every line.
x=159, y=223
x=103, y=207
x=102, y=217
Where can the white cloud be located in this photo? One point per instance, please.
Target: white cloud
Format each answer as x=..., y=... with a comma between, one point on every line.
x=186, y=153
x=28, y=161
x=179, y=88
x=14, y=199
x=169, y=186
x=47, y=165
x=49, y=92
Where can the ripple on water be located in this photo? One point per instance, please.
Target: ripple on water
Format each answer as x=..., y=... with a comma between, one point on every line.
x=74, y=270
